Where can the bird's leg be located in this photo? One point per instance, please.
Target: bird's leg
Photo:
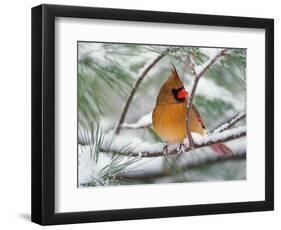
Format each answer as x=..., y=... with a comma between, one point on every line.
x=166, y=150
x=183, y=146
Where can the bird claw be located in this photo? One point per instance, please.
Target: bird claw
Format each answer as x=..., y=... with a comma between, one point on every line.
x=165, y=150
x=181, y=148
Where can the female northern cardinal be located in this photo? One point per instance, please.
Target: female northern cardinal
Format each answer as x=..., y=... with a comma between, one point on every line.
x=169, y=114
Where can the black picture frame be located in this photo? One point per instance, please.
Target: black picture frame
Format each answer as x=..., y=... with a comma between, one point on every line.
x=43, y=114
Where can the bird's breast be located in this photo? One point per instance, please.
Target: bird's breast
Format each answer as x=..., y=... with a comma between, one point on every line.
x=169, y=122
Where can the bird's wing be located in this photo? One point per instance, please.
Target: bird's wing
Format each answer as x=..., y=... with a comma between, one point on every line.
x=218, y=147
x=196, y=122
x=198, y=116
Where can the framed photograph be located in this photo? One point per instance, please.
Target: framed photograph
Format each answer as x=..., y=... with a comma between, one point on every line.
x=142, y=114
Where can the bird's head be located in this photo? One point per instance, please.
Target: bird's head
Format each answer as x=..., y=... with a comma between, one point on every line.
x=172, y=90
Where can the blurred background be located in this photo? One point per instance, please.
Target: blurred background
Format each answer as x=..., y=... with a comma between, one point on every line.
x=107, y=73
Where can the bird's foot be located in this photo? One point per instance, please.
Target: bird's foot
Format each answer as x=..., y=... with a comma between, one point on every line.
x=183, y=146
x=166, y=150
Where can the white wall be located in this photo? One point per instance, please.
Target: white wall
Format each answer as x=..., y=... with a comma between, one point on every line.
x=15, y=113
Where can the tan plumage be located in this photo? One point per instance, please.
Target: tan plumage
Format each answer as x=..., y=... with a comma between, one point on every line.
x=169, y=114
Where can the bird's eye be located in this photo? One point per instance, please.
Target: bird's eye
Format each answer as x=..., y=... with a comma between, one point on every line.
x=175, y=91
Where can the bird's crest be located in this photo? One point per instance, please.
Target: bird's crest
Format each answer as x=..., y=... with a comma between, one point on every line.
x=173, y=81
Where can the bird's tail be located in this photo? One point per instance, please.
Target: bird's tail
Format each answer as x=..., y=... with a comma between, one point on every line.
x=221, y=149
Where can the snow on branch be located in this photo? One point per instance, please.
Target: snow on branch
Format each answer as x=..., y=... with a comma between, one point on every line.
x=156, y=150
x=143, y=122
x=231, y=122
x=142, y=75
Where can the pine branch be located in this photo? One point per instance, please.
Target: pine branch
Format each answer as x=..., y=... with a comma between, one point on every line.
x=135, y=87
x=196, y=81
x=230, y=123
x=199, y=142
x=105, y=173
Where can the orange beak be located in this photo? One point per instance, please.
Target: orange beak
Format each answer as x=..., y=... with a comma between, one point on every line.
x=182, y=94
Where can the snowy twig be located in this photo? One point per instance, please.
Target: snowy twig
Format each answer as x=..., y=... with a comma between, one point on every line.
x=231, y=122
x=191, y=59
x=199, y=142
x=134, y=126
x=146, y=69
x=196, y=81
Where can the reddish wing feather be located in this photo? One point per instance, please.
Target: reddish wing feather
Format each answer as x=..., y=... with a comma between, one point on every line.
x=200, y=119
x=221, y=149
x=218, y=148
